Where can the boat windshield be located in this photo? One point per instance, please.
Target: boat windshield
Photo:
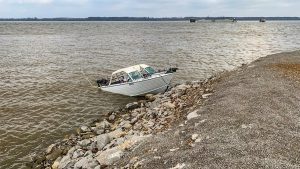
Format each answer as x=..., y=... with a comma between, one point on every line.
x=150, y=70
x=135, y=75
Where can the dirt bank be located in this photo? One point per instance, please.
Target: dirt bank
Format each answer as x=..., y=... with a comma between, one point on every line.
x=252, y=120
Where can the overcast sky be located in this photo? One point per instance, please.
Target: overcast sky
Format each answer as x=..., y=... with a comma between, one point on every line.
x=151, y=8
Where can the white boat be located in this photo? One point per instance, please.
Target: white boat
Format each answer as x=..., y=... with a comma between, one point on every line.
x=137, y=80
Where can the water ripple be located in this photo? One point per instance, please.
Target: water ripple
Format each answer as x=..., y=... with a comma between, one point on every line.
x=44, y=92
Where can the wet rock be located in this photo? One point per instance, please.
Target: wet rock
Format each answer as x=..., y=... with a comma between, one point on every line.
x=55, y=153
x=102, y=140
x=111, y=117
x=56, y=163
x=50, y=148
x=85, y=129
x=131, y=106
x=39, y=159
x=192, y=115
x=110, y=156
x=150, y=97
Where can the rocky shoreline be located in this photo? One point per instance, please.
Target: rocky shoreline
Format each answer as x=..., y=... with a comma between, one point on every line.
x=104, y=142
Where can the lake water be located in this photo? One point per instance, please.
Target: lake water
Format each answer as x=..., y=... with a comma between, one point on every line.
x=48, y=69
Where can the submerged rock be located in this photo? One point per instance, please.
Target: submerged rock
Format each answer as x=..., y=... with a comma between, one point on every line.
x=131, y=106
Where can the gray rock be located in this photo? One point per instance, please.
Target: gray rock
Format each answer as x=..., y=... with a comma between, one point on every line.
x=120, y=140
x=85, y=129
x=99, y=131
x=65, y=162
x=78, y=153
x=111, y=117
x=103, y=125
x=87, y=153
x=116, y=134
x=102, y=140
x=85, y=142
x=110, y=156
x=86, y=162
x=192, y=115
x=131, y=106
x=71, y=151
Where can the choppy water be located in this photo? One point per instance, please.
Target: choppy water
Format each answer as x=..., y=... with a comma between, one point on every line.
x=45, y=68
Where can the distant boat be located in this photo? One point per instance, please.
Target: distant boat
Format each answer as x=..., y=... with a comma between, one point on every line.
x=137, y=80
x=192, y=20
x=262, y=20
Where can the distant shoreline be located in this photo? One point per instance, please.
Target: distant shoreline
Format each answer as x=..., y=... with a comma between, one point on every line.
x=150, y=19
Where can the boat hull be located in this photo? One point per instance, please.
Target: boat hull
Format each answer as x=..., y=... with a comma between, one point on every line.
x=154, y=84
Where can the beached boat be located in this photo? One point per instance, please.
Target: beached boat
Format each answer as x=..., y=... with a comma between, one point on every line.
x=137, y=80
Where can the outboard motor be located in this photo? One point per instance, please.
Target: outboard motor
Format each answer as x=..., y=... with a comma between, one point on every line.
x=102, y=82
x=172, y=70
